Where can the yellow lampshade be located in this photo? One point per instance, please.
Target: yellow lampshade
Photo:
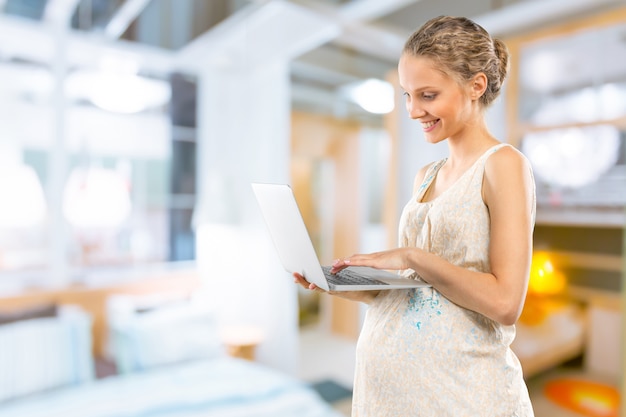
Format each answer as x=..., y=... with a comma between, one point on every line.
x=544, y=278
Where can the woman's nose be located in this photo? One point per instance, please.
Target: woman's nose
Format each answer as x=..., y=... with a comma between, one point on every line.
x=415, y=111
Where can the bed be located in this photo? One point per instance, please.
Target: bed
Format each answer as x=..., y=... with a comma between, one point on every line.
x=219, y=387
x=170, y=363
x=549, y=333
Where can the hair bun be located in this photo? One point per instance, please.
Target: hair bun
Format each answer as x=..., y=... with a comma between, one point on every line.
x=502, y=52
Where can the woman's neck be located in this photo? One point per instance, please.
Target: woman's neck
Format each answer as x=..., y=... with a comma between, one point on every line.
x=468, y=147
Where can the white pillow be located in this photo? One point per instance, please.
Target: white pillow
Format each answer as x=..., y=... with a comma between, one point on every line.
x=177, y=332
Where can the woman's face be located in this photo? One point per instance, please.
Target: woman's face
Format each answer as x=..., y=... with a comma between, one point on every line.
x=441, y=105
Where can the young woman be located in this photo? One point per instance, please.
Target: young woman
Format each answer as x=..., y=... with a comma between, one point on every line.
x=467, y=230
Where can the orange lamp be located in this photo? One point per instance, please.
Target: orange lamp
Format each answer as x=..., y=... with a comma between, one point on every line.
x=544, y=278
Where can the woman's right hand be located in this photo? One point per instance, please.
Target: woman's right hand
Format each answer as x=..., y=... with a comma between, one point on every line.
x=300, y=280
x=361, y=296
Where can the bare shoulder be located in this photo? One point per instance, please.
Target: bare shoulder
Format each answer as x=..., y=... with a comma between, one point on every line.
x=507, y=160
x=507, y=171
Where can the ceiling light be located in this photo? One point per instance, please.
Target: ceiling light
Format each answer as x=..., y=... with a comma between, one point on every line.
x=373, y=95
x=541, y=70
x=572, y=157
x=119, y=93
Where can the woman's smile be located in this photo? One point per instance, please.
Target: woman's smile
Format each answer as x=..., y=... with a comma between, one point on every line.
x=430, y=125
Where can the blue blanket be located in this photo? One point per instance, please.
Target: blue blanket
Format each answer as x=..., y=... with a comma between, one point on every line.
x=223, y=387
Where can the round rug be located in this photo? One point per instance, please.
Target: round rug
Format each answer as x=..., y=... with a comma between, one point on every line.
x=592, y=399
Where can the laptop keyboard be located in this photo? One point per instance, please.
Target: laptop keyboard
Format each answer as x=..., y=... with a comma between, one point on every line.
x=349, y=277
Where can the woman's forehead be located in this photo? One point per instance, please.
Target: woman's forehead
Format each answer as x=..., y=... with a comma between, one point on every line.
x=416, y=70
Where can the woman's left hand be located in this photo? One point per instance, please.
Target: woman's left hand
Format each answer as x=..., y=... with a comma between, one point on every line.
x=393, y=259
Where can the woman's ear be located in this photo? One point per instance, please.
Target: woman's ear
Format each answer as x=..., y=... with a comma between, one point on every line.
x=478, y=85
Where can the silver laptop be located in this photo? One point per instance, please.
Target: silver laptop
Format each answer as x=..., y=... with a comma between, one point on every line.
x=295, y=249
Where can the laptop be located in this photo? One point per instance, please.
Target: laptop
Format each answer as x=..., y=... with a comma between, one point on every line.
x=297, y=254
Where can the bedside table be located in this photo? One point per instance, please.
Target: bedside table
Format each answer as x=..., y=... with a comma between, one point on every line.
x=241, y=341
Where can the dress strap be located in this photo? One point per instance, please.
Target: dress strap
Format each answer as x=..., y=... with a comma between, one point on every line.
x=483, y=159
x=495, y=148
x=428, y=178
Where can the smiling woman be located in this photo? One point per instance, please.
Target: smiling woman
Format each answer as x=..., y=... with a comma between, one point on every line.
x=466, y=230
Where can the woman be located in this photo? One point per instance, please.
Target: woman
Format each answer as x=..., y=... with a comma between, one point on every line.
x=467, y=230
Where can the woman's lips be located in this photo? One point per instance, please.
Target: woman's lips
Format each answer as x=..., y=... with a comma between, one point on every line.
x=428, y=126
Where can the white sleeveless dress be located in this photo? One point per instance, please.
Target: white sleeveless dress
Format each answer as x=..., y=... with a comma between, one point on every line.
x=420, y=354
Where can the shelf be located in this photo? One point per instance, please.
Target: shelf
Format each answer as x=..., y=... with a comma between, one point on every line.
x=582, y=260
x=620, y=123
x=613, y=217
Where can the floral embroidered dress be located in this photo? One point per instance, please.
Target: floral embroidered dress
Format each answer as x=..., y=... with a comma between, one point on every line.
x=420, y=354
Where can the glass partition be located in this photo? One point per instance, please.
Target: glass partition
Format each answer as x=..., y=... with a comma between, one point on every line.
x=107, y=182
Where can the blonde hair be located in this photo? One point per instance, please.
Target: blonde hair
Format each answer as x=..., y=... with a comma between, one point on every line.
x=462, y=49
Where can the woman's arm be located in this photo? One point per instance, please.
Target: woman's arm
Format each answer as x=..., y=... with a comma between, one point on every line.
x=361, y=296
x=508, y=191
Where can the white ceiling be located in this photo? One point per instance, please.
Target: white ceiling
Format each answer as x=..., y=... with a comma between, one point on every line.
x=329, y=42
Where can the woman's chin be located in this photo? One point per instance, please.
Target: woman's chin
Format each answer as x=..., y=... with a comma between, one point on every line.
x=434, y=139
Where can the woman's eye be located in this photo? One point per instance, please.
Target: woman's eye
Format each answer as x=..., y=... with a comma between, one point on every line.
x=429, y=96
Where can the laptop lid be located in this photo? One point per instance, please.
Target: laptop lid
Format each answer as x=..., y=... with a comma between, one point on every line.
x=288, y=231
